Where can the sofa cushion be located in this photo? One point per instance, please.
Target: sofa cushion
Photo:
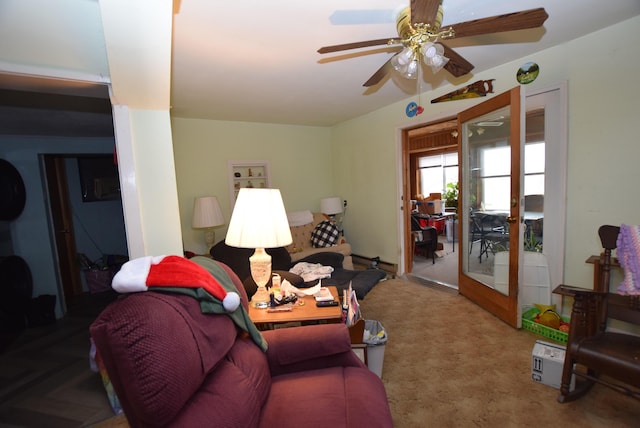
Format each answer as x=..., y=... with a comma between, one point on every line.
x=362, y=281
x=301, y=237
x=325, y=234
x=354, y=397
x=216, y=403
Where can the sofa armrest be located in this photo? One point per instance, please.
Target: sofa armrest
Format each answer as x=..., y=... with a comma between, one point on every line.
x=310, y=347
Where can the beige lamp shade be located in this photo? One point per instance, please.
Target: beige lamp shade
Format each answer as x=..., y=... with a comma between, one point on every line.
x=331, y=206
x=206, y=213
x=259, y=221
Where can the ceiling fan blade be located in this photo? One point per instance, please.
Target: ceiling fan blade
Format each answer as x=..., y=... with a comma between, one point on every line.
x=379, y=75
x=424, y=11
x=531, y=18
x=457, y=65
x=356, y=45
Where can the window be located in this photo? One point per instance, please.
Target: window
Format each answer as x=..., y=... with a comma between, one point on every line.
x=436, y=171
x=495, y=179
x=534, y=168
x=495, y=163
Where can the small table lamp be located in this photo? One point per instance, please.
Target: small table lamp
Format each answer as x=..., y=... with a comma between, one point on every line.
x=207, y=215
x=259, y=221
x=332, y=207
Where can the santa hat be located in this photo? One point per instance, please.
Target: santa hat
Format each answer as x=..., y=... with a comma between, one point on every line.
x=144, y=273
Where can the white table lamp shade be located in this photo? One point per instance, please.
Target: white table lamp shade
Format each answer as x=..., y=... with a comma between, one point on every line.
x=331, y=206
x=206, y=213
x=259, y=220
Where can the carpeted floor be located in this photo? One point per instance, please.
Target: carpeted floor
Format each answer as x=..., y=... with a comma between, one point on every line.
x=449, y=363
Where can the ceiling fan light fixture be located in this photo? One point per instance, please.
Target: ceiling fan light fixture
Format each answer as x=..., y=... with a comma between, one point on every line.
x=405, y=56
x=433, y=54
x=432, y=50
x=403, y=60
x=438, y=63
x=412, y=70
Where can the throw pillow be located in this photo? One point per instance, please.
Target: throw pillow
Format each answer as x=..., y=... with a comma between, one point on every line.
x=325, y=234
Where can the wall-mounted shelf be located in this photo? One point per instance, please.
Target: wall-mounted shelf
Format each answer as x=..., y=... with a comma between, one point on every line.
x=246, y=174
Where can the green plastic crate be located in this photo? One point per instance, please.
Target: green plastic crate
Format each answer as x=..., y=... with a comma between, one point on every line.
x=529, y=324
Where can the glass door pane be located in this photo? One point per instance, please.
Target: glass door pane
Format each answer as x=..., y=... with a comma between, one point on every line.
x=490, y=193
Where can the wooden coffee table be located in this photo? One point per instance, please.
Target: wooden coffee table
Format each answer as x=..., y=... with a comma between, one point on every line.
x=307, y=312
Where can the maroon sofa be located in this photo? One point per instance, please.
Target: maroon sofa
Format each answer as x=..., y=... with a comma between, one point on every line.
x=172, y=365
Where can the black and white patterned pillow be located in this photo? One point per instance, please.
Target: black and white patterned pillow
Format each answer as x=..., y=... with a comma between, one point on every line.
x=325, y=234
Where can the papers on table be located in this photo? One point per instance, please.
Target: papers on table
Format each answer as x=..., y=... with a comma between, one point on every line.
x=323, y=295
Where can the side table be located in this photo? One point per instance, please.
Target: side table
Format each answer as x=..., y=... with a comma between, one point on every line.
x=304, y=311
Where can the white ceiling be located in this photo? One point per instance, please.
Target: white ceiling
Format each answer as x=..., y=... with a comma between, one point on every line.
x=256, y=60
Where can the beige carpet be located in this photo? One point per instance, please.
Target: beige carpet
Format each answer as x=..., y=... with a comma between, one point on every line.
x=448, y=363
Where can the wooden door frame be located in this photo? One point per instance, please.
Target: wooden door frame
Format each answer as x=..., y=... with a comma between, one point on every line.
x=61, y=223
x=407, y=149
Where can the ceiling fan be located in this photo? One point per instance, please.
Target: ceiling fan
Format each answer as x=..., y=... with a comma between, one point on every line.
x=419, y=28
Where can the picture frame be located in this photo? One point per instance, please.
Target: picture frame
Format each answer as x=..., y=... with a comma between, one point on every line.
x=99, y=180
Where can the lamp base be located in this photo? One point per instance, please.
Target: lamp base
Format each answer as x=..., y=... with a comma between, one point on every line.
x=209, y=238
x=260, y=263
x=261, y=299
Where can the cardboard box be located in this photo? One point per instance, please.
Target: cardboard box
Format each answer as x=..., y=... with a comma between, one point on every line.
x=547, y=360
x=426, y=206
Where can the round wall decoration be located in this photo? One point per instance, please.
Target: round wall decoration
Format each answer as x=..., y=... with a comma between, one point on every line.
x=12, y=192
x=528, y=73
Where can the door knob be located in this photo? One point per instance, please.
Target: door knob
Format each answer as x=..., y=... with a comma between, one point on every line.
x=512, y=219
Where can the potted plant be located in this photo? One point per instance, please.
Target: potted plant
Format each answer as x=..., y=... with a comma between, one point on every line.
x=451, y=195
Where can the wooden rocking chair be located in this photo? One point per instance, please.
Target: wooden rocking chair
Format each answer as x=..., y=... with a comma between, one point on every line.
x=606, y=357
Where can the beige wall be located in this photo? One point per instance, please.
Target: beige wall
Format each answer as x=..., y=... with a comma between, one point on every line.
x=299, y=158
x=358, y=159
x=603, y=146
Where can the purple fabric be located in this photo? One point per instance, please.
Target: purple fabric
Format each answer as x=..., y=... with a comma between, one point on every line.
x=172, y=365
x=628, y=251
x=330, y=397
x=157, y=349
x=308, y=348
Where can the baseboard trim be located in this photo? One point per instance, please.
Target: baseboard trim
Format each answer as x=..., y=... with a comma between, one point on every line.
x=390, y=268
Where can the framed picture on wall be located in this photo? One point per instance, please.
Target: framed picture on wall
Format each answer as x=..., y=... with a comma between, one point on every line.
x=99, y=179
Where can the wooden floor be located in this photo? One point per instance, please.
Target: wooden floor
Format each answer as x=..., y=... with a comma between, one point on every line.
x=45, y=378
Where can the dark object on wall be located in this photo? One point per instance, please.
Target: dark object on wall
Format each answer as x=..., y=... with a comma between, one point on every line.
x=15, y=296
x=12, y=192
x=42, y=311
x=99, y=179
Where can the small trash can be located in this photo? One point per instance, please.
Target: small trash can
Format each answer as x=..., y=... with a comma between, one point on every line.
x=376, y=338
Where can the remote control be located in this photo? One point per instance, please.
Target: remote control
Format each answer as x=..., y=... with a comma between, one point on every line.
x=327, y=303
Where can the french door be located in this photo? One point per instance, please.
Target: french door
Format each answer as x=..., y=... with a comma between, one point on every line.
x=489, y=209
